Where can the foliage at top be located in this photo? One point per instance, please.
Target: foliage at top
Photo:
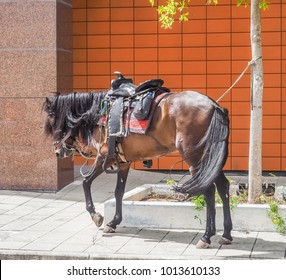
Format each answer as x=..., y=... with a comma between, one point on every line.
x=168, y=12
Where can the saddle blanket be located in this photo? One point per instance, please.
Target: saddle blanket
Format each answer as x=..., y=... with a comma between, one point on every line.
x=141, y=126
x=135, y=125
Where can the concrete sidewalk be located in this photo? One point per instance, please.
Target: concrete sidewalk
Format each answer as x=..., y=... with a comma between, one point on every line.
x=36, y=225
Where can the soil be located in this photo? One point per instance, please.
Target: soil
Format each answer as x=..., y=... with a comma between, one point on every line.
x=171, y=197
x=178, y=197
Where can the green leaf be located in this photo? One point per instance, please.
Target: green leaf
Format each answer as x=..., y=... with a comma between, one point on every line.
x=263, y=4
x=231, y=181
x=262, y=199
x=199, y=202
x=240, y=2
x=184, y=17
x=276, y=218
x=212, y=1
x=171, y=182
x=274, y=207
x=152, y=2
x=233, y=202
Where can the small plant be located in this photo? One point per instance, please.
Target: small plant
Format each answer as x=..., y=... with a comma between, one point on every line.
x=262, y=199
x=276, y=178
x=272, y=175
x=273, y=212
x=234, y=201
x=276, y=218
x=231, y=181
x=171, y=182
x=199, y=202
x=197, y=217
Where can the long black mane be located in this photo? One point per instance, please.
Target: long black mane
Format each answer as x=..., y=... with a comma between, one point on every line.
x=77, y=112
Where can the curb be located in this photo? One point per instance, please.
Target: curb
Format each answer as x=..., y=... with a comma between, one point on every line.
x=44, y=255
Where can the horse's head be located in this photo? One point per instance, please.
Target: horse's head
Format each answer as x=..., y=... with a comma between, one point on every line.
x=56, y=127
x=71, y=120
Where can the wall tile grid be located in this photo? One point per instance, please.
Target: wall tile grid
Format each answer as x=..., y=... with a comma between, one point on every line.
x=202, y=55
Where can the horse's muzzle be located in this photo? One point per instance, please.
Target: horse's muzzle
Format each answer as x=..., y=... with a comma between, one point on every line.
x=63, y=153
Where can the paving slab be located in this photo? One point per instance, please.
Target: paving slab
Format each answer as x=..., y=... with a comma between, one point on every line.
x=19, y=224
x=56, y=226
x=6, y=219
x=39, y=246
x=210, y=252
x=26, y=236
x=268, y=254
x=143, y=242
x=174, y=243
x=67, y=248
x=11, y=245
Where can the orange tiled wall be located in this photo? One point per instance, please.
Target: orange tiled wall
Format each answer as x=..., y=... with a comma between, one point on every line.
x=203, y=55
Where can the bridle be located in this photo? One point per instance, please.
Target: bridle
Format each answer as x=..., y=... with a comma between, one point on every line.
x=72, y=148
x=61, y=144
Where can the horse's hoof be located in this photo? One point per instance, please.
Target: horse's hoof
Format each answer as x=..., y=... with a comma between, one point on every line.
x=224, y=241
x=202, y=245
x=98, y=219
x=108, y=229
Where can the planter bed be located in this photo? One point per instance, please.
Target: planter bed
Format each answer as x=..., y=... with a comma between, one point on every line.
x=182, y=215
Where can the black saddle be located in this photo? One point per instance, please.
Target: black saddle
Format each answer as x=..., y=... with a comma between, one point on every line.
x=154, y=83
x=121, y=87
x=124, y=87
x=124, y=94
x=115, y=84
x=120, y=92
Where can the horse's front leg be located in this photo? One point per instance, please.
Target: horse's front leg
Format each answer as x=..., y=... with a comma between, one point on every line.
x=119, y=192
x=205, y=241
x=96, y=217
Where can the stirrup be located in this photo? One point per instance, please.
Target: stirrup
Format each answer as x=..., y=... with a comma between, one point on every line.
x=147, y=163
x=112, y=170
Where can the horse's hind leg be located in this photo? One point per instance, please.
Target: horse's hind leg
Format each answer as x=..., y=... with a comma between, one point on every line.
x=119, y=192
x=205, y=241
x=222, y=185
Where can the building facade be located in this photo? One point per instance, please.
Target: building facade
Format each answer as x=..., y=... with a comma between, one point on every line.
x=35, y=60
x=76, y=45
x=205, y=54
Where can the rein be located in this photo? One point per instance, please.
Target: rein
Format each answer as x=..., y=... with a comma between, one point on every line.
x=61, y=143
x=93, y=167
x=253, y=61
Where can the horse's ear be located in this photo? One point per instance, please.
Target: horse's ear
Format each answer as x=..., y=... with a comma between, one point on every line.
x=47, y=105
x=48, y=101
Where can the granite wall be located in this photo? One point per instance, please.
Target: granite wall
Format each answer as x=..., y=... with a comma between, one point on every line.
x=35, y=61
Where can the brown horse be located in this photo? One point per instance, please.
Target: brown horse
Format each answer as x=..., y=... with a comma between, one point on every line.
x=188, y=122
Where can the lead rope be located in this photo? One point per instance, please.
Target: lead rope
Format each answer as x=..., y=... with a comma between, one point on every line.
x=239, y=77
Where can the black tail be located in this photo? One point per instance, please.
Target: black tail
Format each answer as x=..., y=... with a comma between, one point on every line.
x=215, y=152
